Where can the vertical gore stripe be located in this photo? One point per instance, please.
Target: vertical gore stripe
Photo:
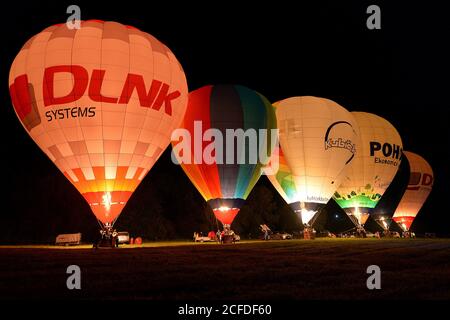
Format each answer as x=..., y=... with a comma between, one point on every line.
x=226, y=113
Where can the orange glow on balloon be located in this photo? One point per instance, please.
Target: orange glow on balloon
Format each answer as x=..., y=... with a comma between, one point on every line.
x=101, y=101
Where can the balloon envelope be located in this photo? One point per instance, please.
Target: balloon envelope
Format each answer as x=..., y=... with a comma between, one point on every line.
x=224, y=179
x=318, y=140
x=419, y=187
x=101, y=101
x=373, y=168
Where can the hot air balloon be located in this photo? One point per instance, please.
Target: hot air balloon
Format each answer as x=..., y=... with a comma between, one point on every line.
x=224, y=169
x=101, y=101
x=419, y=187
x=372, y=170
x=318, y=140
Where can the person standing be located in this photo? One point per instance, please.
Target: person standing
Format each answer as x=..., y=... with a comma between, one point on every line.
x=219, y=236
x=266, y=234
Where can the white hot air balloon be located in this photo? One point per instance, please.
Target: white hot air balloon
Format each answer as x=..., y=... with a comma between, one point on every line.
x=318, y=140
x=373, y=168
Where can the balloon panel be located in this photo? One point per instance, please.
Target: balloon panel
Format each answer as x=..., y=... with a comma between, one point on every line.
x=318, y=140
x=419, y=187
x=283, y=181
x=101, y=101
x=375, y=163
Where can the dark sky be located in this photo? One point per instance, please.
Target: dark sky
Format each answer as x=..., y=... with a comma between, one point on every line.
x=399, y=72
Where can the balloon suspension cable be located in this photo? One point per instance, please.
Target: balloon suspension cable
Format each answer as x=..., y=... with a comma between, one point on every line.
x=314, y=218
x=348, y=230
x=114, y=221
x=227, y=228
x=106, y=228
x=384, y=223
x=100, y=224
x=356, y=221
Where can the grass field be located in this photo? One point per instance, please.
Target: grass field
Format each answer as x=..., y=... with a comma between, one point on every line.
x=295, y=269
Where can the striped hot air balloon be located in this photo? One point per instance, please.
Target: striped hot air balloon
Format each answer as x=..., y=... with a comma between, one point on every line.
x=223, y=167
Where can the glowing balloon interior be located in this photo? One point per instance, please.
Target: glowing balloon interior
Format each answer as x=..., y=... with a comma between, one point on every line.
x=419, y=187
x=101, y=101
x=318, y=140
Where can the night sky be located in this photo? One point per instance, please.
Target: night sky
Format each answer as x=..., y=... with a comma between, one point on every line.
x=280, y=50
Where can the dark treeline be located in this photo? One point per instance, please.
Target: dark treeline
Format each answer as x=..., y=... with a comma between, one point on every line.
x=165, y=206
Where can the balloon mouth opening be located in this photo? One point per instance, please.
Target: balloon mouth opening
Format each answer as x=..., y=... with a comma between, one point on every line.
x=307, y=211
x=358, y=215
x=107, y=205
x=404, y=222
x=226, y=215
x=225, y=204
x=226, y=209
x=383, y=222
x=307, y=215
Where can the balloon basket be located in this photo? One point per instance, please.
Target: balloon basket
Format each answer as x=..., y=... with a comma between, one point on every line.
x=309, y=234
x=228, y=238
x=106, y=244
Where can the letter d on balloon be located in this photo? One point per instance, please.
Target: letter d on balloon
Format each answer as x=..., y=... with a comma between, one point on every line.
x=74, y=280
x=374, y=281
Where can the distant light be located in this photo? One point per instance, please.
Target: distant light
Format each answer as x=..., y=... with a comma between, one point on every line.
x=337, y=216
x=223, y=208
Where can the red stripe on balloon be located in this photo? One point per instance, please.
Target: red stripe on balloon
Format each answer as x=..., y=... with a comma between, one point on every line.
x=205, y=176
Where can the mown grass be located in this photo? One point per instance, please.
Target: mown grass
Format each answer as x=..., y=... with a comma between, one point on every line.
x=180, y=270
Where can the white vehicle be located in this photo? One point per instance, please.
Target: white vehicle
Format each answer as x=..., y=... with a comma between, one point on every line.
x=123, y=237
x=199, y=238
x=68, y=239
